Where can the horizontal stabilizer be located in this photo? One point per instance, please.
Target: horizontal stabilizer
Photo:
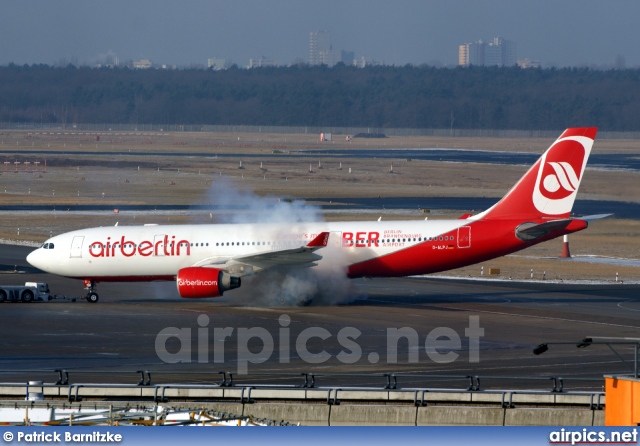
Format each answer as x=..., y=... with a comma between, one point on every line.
x=594, y=217
x=528, y=232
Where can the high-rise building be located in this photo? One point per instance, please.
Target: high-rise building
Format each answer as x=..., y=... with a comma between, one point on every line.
x=498, y=52
x=320, y=51
x=463, y=55
x=471, y=53
x=505, y=51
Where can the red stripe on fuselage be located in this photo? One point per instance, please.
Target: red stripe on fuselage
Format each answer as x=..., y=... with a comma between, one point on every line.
x=489, y=239
x=126, y=278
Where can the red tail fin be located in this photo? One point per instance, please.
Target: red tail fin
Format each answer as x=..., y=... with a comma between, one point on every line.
x=549, y=188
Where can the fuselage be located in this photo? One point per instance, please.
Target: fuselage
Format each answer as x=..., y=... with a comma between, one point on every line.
x=379, y=248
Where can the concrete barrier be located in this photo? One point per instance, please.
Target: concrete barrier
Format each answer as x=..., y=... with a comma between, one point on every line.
x=410, y=395
x=359, y=415
x=366, y=395
x=598, y=418
x=176, y=392
x=279, y=394
x=354, y=406
x=548, y=417
x=460, y=416
x=304, y=414
x=483, y=398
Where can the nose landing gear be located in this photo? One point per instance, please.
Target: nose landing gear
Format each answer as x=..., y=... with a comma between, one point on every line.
x=91, y=296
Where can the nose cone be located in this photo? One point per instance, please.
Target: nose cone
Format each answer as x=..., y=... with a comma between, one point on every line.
x=35, y=259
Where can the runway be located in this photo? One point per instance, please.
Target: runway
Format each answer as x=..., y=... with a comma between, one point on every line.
x=149, y=327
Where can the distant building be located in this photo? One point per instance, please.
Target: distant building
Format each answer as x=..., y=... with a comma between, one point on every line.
x=365, y=61
x=109, y=60
x=142, y=64
x=471, y=54
x=262, y=62
x=217, y=63
x=320, y=50
x=498, y=52
x=528, y=63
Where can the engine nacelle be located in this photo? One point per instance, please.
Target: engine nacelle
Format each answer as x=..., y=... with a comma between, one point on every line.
x=198, y=282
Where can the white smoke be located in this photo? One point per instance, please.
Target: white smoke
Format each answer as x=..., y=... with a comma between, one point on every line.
x=324, y=284
x=251, y=208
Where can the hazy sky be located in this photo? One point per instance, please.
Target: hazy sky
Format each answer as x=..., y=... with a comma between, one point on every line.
x=561, y=33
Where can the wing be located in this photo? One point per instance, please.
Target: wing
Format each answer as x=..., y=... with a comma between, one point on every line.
x=301, y=257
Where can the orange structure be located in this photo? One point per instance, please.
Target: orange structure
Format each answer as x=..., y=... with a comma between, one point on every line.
x=565, y=247
x=622, y=395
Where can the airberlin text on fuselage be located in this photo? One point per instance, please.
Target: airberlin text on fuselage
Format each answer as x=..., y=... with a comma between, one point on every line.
x=145, y=248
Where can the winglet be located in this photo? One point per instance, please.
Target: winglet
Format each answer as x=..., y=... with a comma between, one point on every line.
x=320, y=241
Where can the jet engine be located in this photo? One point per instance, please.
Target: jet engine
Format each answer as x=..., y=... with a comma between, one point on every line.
x=199, y=282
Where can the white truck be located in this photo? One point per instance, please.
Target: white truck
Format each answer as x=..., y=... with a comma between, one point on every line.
x=30, y=292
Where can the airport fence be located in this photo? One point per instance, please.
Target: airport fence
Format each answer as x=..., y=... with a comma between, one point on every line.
x=313, y=130
x=310, y=380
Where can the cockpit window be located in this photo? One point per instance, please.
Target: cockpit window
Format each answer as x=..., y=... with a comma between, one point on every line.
x=47, y=246
x=50, y=245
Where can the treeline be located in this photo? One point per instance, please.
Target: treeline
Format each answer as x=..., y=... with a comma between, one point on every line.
x=391, y=97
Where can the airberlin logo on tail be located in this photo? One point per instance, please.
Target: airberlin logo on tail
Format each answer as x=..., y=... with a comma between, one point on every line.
x=559, y=175
x=563, y=180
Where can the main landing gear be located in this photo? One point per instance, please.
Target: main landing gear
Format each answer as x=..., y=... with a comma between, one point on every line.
x=91, y=296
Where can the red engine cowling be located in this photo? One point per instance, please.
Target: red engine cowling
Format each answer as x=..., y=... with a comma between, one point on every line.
x=198, y=282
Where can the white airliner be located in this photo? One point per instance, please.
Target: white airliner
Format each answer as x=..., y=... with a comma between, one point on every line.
x=207, y=260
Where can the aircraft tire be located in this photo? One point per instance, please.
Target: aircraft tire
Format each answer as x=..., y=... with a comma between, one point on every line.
x=92, y=297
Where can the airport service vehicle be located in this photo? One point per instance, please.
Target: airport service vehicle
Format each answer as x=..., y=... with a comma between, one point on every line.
x=208, y=260
x=31, y=291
